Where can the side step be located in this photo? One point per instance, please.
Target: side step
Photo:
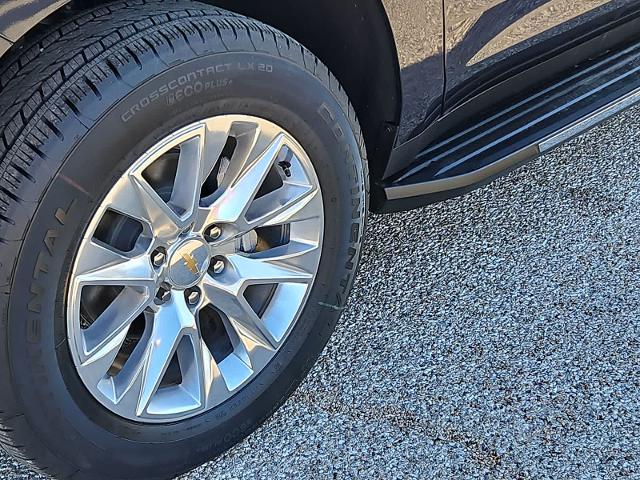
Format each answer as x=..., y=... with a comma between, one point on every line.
x=475, y=155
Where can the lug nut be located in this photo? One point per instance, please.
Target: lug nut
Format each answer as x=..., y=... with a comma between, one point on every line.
x=218, y=265
x=163, y=295
x=158, y=257
x=193, y=296
x=213, y=232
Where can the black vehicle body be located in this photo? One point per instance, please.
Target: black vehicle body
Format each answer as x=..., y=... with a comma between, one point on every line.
x=450, y=93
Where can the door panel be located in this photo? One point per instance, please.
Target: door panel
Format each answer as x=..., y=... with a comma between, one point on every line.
x=417, y=28
x=488, y=41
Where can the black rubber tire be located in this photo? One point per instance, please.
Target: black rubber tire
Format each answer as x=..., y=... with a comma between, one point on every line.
x=82, y=100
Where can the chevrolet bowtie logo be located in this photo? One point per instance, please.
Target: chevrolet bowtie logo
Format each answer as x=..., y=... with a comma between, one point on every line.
x=191, y=264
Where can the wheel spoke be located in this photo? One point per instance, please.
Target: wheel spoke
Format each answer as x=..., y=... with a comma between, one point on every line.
x=216, y=137
x=213, y=384
x=228, y=297
x=172, y=323
x=99, y=265
x=261, y=269
x=238, y=193
x=197, y=367
x=133, y=196
x=297, y=253
x=198, y=157
x=97, y=364
x=226, y=292
x=200, y=147
x=284, y=205
x=185, y=195
x=115, y=319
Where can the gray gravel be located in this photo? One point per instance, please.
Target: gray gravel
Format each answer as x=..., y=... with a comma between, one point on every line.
x=491, y=336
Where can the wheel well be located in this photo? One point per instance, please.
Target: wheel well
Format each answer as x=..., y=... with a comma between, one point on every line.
x=354, y=39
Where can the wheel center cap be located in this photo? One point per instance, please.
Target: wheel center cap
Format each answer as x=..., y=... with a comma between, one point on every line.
x=188, y=263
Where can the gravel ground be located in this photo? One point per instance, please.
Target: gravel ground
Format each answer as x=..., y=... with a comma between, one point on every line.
x=490, y=336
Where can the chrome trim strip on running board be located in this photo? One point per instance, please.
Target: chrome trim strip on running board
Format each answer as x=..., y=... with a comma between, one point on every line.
x=590, y=121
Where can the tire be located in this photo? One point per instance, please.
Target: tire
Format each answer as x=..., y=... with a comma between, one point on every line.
x=83, y=101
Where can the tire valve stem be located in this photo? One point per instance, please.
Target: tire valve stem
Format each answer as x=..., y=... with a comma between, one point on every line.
x=285, y=165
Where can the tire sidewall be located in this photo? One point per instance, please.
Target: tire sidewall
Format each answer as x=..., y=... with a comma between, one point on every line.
x=106, y=141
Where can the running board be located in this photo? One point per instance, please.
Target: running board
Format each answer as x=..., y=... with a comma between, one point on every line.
x=474, y=156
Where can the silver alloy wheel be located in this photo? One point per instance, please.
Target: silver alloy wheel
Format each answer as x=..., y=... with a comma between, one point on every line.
x=195, y=268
